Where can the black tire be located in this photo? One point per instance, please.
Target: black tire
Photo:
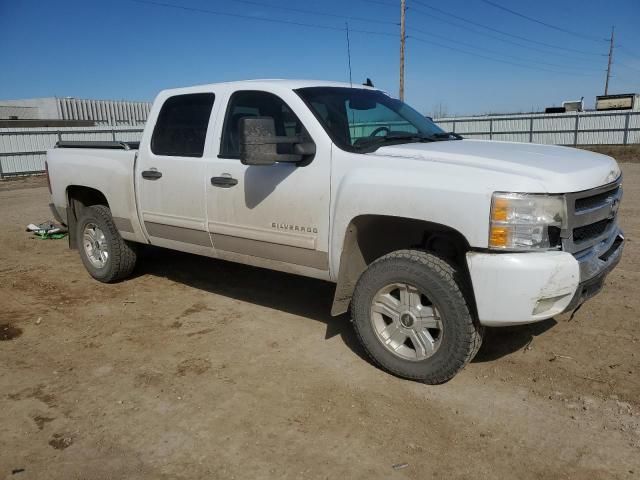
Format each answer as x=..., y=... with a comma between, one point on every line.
x=121, y=254
x=441, y=283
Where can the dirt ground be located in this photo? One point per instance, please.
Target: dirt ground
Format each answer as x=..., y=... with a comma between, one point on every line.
x=622, y=153
x=197, y=368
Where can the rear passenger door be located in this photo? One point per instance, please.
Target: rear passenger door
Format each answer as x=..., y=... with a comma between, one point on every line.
x=171, y=173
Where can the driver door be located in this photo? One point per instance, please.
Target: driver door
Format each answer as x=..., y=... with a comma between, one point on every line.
x=275, y=215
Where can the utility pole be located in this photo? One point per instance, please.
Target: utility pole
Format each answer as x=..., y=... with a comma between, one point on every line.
x=606, y=85
x=403, y=9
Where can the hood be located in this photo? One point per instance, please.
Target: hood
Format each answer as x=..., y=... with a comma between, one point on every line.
x=557, y=169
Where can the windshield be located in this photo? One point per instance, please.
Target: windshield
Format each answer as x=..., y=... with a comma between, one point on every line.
x=361, y=120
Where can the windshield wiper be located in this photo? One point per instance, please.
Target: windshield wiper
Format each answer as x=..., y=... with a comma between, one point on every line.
x=369, y=142
x=445, y=136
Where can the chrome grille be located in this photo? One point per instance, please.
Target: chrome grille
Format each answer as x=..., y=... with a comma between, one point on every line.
x=592, y=217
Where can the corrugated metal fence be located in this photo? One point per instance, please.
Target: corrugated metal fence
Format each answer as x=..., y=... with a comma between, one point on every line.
x=111, y=112
x=22, y=150
x=576, y=128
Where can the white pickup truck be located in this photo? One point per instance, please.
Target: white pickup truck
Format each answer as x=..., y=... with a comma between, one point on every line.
x=428, y=236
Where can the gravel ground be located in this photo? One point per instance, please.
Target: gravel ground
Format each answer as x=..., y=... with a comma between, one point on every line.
x=197, y=368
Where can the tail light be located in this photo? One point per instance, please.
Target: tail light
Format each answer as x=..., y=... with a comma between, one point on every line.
x=46, y=169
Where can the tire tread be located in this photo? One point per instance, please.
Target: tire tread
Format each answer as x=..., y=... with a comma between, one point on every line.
x=123, y=255
x=473, y=333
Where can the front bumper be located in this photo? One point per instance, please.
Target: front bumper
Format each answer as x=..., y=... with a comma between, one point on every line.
x=595, y=265
x=519, y=288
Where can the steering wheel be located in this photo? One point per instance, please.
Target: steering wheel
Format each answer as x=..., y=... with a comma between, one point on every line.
x=380, y=129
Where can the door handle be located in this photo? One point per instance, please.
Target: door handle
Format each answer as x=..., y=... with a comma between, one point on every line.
x=151, y=174
x=224, y=182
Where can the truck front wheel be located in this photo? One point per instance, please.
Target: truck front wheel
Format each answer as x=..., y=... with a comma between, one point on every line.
x=104, y=253
x=412, y=318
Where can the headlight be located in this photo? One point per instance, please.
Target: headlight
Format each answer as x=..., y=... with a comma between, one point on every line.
x=522, y=221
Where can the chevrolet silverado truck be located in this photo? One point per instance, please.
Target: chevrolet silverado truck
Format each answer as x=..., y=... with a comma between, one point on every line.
x=428, y=237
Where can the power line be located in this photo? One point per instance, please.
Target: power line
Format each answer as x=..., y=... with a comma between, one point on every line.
x=381, y=2
x=343, y=29
x=496, y=37
x=519, y=37
x=522, y=65
x=263, y=19
x=627, y=52
x=315, y=12
x=469, y=45
x=626, y=65
x=540, y=22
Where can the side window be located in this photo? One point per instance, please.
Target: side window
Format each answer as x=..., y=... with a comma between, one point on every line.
x=258, y=104
x=181, y=127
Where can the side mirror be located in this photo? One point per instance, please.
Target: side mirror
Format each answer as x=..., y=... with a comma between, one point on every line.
x=259, y=143
x=305, y=149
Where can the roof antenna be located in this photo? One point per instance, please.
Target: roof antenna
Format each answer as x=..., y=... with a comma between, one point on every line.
x=368, y=83
x=349, y=52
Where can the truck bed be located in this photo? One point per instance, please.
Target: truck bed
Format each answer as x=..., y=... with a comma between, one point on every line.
x=106, y=167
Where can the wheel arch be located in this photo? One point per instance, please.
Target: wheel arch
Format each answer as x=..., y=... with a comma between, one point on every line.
x=78, y=198
x=369, y=237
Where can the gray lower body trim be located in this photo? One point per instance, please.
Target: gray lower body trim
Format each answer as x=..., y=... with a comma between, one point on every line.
x=272, y=251
x=178, y=234
x=123, y=224
x=244, y=246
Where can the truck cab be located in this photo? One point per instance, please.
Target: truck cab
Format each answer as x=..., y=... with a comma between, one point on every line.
x=429, y=237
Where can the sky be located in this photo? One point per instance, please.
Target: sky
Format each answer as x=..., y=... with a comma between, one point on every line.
x=462, y=56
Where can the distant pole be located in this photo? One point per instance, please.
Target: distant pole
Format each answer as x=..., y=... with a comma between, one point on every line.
x=403, y=9
x=606, y=85
x=349, y=53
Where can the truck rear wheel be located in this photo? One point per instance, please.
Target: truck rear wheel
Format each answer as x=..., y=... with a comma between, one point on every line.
x=412, y=318
x=104, y=253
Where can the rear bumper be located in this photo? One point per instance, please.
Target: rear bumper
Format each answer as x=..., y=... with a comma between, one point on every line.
x=519, y=288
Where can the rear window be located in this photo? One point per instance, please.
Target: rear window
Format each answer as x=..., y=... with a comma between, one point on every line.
x=181, y=128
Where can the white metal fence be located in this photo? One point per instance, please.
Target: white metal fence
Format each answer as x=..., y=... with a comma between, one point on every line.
x=22, y=150
x=575, y=128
